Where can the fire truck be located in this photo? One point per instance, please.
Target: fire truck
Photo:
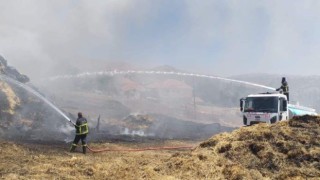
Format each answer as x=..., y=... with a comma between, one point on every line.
x=270, y=108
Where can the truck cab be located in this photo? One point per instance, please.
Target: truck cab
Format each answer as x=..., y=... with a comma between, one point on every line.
x=269, y=108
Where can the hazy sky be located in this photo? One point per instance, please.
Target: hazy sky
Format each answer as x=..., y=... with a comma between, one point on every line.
x=221, y=37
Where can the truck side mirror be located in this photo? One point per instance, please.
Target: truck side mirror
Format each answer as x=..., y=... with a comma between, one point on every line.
x=241, y=104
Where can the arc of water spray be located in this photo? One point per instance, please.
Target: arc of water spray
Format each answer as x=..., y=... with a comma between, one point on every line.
x=115, y=72
x=29, y=89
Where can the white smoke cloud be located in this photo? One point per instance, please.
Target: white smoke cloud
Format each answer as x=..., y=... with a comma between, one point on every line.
x=219, y=37
x=259, y=36
x=53, y=34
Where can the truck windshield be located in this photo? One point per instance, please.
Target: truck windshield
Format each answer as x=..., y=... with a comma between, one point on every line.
x=261, y=104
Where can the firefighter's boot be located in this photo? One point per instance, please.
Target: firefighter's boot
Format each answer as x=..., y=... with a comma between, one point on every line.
x=73, y=148
x=84, y=149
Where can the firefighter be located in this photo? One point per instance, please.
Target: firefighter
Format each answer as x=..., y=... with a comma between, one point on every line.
x=284, y=87
x=82, y=130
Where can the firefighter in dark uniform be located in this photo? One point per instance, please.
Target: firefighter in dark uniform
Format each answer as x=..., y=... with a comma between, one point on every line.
x=284, y=87
x=82, y=130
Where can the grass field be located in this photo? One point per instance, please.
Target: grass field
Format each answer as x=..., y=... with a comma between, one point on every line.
x=286, y=150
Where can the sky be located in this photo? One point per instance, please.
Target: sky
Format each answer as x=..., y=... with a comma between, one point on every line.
x=220, y=37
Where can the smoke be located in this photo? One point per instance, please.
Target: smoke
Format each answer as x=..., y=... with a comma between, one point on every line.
x=33, y=119
x=185, y=96
x=126, y=131
x=207, y=36
x=46, y=124
x=62, y=36
x=47, y=38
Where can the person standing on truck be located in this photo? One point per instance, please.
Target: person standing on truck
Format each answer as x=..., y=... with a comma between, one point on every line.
x=284, y=87
x=82, y=130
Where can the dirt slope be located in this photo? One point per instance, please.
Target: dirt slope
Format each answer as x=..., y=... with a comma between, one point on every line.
x=286, y=150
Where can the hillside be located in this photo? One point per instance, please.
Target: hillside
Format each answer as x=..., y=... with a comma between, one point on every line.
x=22, y=115
x=286, y=150
x=168, y=101
x=198, y=99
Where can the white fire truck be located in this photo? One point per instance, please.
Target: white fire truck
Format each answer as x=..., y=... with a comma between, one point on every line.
x=270, y=108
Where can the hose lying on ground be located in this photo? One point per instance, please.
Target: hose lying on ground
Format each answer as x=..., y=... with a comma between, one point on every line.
x=140, y=149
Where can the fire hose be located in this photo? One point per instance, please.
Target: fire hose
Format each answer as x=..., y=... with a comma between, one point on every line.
x=140, y=149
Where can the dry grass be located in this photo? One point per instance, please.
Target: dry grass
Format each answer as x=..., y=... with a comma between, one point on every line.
x=35, y=161
x=286, y=150
x=12, y=99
